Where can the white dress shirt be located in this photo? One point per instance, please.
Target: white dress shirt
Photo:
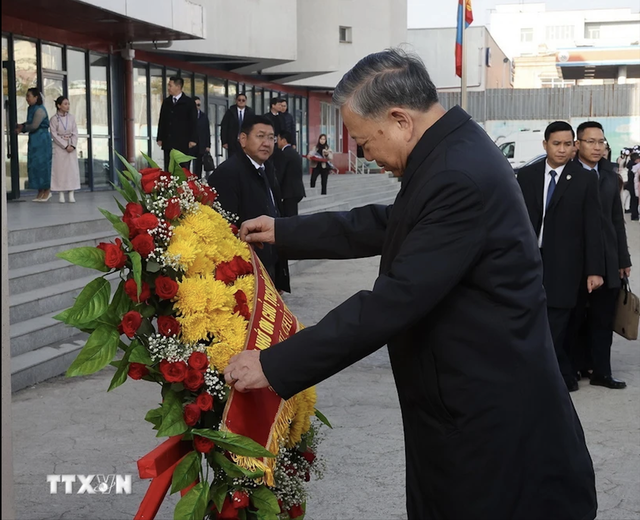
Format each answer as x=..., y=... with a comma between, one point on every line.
x=547, y=181
x=176, y=98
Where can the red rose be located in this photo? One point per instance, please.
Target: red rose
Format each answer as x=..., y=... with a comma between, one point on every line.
x=143, y=244
x=173, y=209
x=202, y=444
x=133, y=210
x=205, y=401
x=131, y=323
x=146, y=222
x=114, y=257
x=234, y=229
x=173, y=372
x=192, y=414
x=137, y=370
x=241, y=266
x=148, y=181
x=295, y=511
x=188, y=174
x=166, y=288
x=149, y=171
x=228, y=511
x=198, y=361
x=193, y=381
x=131, y=224
x=195, y=188
x=241, y=305
x=208, y=195
x=131, y=288
x=168, y=326
x=225, y=273
x=309, y=456
x=240, y=500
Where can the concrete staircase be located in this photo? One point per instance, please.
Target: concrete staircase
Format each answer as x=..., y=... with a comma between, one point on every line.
x=41, y=285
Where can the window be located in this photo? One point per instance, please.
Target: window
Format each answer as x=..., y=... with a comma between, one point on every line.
x=508, y=149
x=592, y=31
x=526, y=35
x=345, y=34
x=331, y=124
x=559, y=32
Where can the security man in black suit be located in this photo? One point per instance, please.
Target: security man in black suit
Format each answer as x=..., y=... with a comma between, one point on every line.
x=563, y=206
x=289, y=175
x=177, y=126
x=247, y=186
x=204, y=138
x=601, y=306
x=231, y=124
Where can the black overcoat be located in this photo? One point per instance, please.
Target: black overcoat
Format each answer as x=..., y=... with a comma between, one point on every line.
x=178, y=124
x=614, y=234
x=290, y=175
x=242, y=191
x=572, y=238
x=230, y=126
x=490, y=430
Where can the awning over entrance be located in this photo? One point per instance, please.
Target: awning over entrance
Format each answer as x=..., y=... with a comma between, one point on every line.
x=599, y=63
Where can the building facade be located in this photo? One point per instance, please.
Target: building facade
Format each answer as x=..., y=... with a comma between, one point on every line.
x=113, y=58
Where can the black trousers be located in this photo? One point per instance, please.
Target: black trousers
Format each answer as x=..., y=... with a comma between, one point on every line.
x=167, y=159
x=559, y=324
x=290, y=207
x=324, y=177
x=633, y=202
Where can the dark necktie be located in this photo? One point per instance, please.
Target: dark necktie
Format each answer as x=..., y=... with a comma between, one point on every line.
x=596, y=172
x=270, y=202
x=240, y=118
x=175, y=100
x=552, y=187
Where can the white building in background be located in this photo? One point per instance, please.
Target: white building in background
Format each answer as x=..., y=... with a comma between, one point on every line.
x=488, y=66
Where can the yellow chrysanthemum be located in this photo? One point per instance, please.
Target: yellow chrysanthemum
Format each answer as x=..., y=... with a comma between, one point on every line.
x=305, y=403
x=219, y=355
x=201, y=265
x=184, y=247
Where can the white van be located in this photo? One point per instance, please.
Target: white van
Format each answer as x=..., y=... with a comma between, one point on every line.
x=521, y=147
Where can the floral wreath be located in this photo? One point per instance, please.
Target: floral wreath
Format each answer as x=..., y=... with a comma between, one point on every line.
x=186, y=303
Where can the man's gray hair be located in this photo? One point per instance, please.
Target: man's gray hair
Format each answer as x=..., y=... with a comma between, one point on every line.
x=383, y=80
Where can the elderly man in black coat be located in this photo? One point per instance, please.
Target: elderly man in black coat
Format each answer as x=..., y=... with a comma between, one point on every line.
x=490, y=430
x=177, y=126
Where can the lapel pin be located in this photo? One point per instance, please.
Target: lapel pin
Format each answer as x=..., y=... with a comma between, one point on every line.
x=568, y=177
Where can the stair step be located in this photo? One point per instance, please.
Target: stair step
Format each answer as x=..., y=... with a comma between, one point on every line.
x=34, y=235
x=44, y=363
x=33, y=277
x=30, y=335
x=41, y=252
x=57, y=297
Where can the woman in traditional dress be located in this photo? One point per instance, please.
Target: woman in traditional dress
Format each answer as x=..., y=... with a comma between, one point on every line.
x=39, y=148
x=65, y=175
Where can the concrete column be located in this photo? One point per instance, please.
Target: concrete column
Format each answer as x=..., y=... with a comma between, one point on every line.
x=622, y=74
x=7, y=450
x=128, y=55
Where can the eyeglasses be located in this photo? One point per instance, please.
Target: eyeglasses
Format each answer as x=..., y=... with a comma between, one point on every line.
x=198, y=105
x=593, y=142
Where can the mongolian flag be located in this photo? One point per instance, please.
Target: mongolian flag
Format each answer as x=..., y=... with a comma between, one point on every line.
x=465, y=16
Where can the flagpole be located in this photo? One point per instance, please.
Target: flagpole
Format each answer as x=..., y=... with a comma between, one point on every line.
x=463, y=76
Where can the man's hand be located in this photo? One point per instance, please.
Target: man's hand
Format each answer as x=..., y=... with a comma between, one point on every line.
x=225, y=146
x=625, y=272
x=192, y=144
x=159, y=143
x=244, y=371
x=207, y=149
x=593, y=282
x=259, y=231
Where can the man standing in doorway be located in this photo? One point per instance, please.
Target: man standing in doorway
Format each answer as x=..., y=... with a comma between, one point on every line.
x=601, y=306
x=177, y=126
x=232, y=123
x=204, y=138
x=288, y=123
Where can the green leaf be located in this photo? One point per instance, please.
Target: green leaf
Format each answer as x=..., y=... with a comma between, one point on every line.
x=120, y=303
x=146, y=328
x=151, y=162
x=218, y=493
x=136, y=262
x=268, y=515
x=122, y=208
x=323, y=419
x=186, y=472
x=134, y=174
x=233, y=470
x=176, y=159
x=139, y=353
x=117, y=222
x=193, y=505
x=148, y=311
x=154, y=417
x=64, y=315
x=121, y=373
x=129, y=191
x=263, y=499
x=99, y=350
x=153, y=266
x=90, y=257
x=91, y=303
x=235, y=443
x=172, y=417
x=126, y=196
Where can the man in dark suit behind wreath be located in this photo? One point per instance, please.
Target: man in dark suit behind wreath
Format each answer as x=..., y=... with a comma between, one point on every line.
x=490, y=430
x=204, y=138
x=597, y=309
x=247, y=186
x=231, y=124
x=290, y=176
x=564, y=209
x=177, y=126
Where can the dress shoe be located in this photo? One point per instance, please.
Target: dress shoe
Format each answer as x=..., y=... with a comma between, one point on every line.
x=71, y=197
x=572, y=385
x=608, y=381
x=46, y=199
x=61, y=198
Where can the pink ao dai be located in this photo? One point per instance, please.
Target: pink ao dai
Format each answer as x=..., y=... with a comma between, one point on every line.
x=65, y=172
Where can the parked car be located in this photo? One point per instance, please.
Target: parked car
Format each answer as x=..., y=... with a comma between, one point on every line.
x=520, y=147
x=532, y=161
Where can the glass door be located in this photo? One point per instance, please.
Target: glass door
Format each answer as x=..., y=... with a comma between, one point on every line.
x=217, y=110
x=10, y=137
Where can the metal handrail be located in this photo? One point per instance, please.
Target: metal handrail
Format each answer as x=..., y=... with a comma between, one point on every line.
x=356, y=165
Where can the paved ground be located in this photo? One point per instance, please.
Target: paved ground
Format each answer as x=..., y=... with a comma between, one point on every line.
x=72, y=426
